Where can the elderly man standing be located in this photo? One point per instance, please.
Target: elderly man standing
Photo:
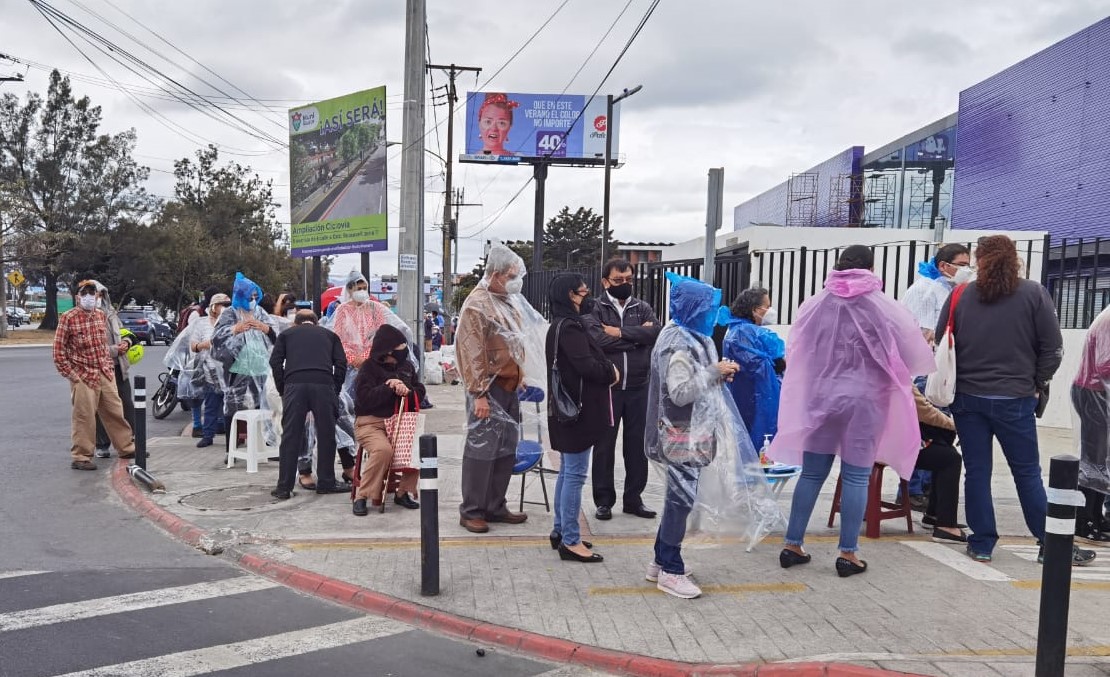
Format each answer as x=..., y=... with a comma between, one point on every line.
x=83, y=355
x=500, y=351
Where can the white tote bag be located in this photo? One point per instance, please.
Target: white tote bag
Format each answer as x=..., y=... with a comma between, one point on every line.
x=940, y=388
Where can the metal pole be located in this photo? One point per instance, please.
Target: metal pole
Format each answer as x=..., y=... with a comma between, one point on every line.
x=1052, y=630
x=365, y=264
x=713, y=218
x=608, y=172
x=139, y=395
x=317, y=274
x=429, y=516
x=539, y=173
x=410, y=257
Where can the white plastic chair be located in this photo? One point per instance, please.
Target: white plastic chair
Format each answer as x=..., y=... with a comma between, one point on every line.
x=255, y=449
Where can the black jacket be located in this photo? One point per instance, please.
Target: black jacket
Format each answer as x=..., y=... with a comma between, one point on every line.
x=372, y=396
x=632, y=352
x=307, y=353
x=586, y=373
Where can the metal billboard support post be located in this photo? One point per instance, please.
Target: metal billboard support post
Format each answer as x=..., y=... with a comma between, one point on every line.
x=609, y=127
x=317, y=274
x=713, y=218
x=539, y=173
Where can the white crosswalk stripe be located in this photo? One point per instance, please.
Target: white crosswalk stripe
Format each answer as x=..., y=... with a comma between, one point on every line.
x=1099, y=571
x=251, y=651
x=17, y=574
x=72, y=611
x=956, y=559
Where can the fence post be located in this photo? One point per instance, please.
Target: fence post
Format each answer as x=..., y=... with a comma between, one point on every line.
x=1052, y=630
x=1045, y=259
x=429, y=515
x=802, y=268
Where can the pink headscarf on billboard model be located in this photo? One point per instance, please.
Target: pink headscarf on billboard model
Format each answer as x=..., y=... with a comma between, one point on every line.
x=851, y=358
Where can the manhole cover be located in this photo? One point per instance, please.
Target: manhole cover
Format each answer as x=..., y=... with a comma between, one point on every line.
x=243, y=497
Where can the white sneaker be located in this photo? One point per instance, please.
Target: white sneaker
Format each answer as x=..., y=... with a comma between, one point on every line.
x=678, y=586
x=654, y=569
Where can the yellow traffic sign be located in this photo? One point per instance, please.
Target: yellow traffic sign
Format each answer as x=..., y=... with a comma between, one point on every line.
x=16, y=278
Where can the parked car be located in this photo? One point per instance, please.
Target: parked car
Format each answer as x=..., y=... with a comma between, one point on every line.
x=23, y=315
x=147, y=325
x=13, y=318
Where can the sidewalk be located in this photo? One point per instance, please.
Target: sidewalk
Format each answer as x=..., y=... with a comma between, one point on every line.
x=922, y=608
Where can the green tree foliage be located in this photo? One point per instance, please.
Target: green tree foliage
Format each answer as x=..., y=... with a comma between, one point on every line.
x=64, y=183
x=569, y=231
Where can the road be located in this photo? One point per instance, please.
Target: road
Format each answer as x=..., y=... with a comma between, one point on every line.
x=364, y=194
x=86, y=584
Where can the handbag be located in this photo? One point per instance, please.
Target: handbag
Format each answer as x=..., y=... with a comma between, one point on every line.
x=404, y=429
x=940, y=387
x=681, y=447
x=561, y=406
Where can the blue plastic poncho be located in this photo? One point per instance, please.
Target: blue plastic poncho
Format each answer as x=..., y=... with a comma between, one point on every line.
x=756, y=387
x=928, y=269
x=241, y=292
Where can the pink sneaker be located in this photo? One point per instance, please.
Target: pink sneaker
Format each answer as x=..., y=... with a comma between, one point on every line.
x=654, y=569
x=678, y=586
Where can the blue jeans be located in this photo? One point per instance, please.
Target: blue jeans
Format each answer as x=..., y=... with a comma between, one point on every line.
x=195, y=409
x=213, y=404
x=682, y=491
x=978, y=421
x=568, y=494
x=853, y=499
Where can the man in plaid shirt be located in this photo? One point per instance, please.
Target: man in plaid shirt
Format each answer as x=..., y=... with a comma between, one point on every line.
x=83, y=355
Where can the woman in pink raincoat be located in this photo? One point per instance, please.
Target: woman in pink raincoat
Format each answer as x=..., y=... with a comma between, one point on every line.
x=853, y=354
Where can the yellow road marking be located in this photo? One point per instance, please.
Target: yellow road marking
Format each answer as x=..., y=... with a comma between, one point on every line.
x=734, y=589
x=1075, y=585
x=1095, y=651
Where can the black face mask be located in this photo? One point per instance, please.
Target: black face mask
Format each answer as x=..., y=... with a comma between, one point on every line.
x=587, y=306
x=621, y=292
x=400, y=355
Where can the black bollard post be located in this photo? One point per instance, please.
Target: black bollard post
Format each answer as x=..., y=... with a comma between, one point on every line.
x=139, y=391
x=1052, y=630
x=429, y=516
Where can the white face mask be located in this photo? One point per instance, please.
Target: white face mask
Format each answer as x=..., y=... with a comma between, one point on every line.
x=360, y=296
x=515, y=285
x=770, y=317
x=87, y=302
x=964, y=275
x=253, y=305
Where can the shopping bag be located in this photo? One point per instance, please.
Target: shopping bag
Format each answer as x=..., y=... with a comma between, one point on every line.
x=404, y=429
x=940, y=387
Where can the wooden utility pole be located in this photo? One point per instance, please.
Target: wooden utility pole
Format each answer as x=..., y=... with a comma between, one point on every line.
x=450, y=225
x=410, y=249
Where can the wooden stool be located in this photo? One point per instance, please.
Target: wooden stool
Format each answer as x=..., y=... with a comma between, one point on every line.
x=877, y=509
x=392, y=480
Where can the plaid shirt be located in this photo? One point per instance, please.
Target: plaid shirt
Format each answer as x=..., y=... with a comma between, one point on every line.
x=81, y=348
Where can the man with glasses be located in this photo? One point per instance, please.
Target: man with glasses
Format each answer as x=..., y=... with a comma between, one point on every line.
x=626, y=329
x=84, y=356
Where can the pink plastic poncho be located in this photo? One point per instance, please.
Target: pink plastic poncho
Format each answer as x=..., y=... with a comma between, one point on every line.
x=852, y=356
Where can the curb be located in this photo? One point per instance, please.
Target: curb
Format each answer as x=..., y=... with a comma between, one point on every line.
x=481, y=632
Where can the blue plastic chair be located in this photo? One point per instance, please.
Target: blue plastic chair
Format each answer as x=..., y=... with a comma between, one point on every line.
x=529, y=453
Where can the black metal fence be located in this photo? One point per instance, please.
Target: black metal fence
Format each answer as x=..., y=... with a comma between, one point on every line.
x=535, y=285
x=731, y=272
x=1078, y=279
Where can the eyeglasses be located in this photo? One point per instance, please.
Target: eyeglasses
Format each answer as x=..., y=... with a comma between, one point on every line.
x=619, y=280
x=583, y=292
x=87, y=292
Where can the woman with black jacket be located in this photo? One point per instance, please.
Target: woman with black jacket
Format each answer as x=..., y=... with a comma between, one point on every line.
x=585, y=376
x=384, y=379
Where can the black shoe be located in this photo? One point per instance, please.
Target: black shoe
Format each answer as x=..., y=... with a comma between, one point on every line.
x=282, y=494
x=1092, y=535
x=788, y=558
x=931, y=521
x=333, y=488
x=640, y=511
x=604, y=512
x=556, y=539
x=359, y=508
x=427, y=404
x=198, y=433
x=204, y=442
x=405, y=501
x=945, y=537
x=846, y=567
x=83, y=465
x=569, y=556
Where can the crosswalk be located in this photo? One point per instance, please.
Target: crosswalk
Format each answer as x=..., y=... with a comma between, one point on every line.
x=1099, y=570
x=211, y=621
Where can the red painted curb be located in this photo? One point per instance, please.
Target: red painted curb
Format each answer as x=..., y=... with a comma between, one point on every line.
x=481, y=632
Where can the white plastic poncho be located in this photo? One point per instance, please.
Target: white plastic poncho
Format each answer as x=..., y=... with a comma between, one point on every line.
x=694, y=433
x=500, y=338
x=1090, y=396
x=244, y=357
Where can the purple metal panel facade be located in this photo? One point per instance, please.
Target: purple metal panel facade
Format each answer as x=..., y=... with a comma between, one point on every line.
x=771, y=206
x=1034, y=149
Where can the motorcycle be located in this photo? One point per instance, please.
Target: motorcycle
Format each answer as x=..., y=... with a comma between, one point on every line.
x=164, y=400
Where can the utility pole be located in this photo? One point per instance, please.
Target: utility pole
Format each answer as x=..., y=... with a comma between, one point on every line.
x=458, y=202
x=450, y=225
x=410, y=254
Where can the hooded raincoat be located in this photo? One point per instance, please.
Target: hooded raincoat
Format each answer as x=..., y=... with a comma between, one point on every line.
x=694, y=432
x=499, y=344
x=853, y=353
x=756, y=387
x=244, y=357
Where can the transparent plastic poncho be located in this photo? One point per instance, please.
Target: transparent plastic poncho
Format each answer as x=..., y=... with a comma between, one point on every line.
x=1090, y=396
x=694, y=434
x=244, y=357
x=501, y=336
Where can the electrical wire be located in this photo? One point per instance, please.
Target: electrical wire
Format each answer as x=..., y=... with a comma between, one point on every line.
x=493, y=219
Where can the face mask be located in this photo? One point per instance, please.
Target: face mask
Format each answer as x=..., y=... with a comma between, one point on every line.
x=770, y=317
x=964, y=275
x=87, y=302
x=360, y=296
x=253, y=305
x=515, y=285
x=587, y=306
x=400, y=355
x=621, y=292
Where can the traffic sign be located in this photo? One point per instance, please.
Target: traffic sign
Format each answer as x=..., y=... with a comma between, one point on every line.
x=16, y=278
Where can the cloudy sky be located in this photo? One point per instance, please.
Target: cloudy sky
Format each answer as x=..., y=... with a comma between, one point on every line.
x=759, y=88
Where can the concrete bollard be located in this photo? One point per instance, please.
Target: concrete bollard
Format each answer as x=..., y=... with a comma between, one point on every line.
x=429, y=516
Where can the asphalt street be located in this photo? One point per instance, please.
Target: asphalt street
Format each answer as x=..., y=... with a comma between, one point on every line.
x=364, y=194
x=87, y=587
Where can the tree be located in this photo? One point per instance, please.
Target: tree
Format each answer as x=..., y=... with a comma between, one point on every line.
x=63, y=180
x=575, y=237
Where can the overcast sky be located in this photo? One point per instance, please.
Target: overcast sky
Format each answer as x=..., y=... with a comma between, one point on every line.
x=759, y=88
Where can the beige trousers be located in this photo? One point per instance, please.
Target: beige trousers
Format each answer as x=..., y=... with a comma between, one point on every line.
x=371, y=436
x=87, y=403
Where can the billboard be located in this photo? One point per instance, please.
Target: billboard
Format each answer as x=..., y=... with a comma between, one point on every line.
x=506, y=127
x=337, y=178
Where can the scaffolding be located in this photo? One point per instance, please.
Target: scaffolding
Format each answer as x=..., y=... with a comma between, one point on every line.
x=845, y=193
x=801, y=199
x=878, y=201
x=923, y=193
